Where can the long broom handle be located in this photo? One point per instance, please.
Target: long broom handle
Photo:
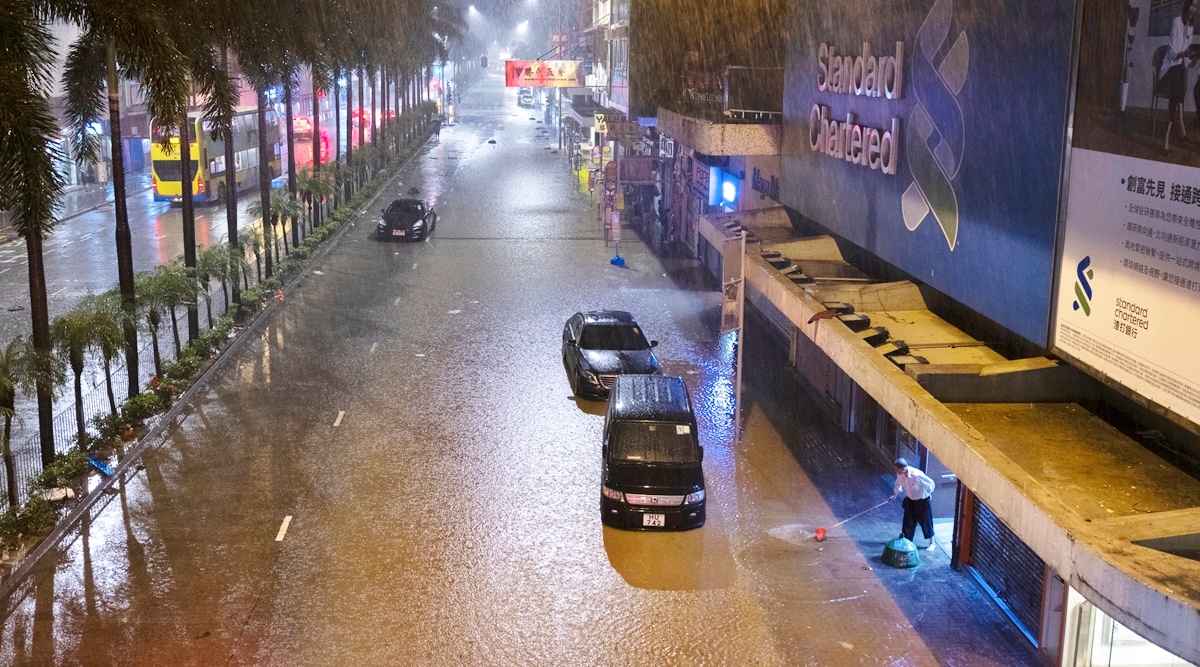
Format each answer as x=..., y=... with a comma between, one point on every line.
x=860, y=513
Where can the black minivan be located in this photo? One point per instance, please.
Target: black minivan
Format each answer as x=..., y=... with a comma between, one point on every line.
x=652, y=475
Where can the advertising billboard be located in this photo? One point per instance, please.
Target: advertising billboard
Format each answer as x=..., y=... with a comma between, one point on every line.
x=932, y=134
x=1129, y=290
x=543, y=73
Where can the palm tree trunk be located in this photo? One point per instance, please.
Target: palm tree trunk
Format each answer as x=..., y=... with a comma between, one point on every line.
x=349, y=183
x=264, y=177
x=383, y=100
x=208, y=308
x=316, y=147
x=231, y=217
x=80, y=424
x=112, y=399
x=10, y=468
x=399, y=113
x=124, y=238
x=291, y=140
x=337, y=116
x=362, y=125
x=258, y=265
x=157, y=356
x=175, y=332
x=189, y=219
x=39, y=313
x=374, y=110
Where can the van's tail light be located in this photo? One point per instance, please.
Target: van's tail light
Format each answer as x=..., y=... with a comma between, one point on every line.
x=613, y=494
x=199, y=187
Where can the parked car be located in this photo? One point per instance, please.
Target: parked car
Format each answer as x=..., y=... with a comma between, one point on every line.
x=407, y=220
x=525, y=98
x=599, y=345
x=652, y=474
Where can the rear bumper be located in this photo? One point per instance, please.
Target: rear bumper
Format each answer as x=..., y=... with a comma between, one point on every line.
x=631, y=517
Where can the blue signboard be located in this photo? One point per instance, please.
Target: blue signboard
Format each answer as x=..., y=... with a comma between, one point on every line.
x=931, y=133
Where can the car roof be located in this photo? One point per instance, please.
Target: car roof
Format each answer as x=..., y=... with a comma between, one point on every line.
x=408, y=200
x=608, y=317
x=650, y=398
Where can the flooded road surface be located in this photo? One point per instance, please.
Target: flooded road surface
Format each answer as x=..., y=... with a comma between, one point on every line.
x=392, y=471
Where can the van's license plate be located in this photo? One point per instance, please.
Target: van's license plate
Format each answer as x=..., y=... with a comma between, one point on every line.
x=654, y=520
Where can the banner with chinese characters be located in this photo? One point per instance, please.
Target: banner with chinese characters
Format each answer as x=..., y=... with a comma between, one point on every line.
x=543, y=73
x=1128, y=299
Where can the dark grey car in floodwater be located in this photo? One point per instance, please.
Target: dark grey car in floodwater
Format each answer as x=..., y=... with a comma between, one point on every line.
x=406, y=220
x=599, y=345
x=653, y=475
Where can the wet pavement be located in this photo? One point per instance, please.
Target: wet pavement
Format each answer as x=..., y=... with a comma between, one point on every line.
x=390, y=470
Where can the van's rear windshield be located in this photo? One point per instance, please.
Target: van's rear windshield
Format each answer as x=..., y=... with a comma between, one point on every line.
x=653, y=442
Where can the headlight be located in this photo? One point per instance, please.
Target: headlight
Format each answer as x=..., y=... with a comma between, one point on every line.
x=693, y=498
x=590, y=377
x=613, y=494
x=418, y=224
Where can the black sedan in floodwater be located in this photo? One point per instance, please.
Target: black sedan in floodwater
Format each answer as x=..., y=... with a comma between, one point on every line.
x=406, y=220
x=599, y=345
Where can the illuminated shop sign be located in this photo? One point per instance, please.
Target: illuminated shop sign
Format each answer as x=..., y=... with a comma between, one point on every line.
x=723, y=187
x=863, y=75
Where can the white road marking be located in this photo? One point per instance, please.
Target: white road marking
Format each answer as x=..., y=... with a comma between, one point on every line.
x=397, y=301
x=287, y=521
x=4, y=270
x=373, y=346
x=338, y=422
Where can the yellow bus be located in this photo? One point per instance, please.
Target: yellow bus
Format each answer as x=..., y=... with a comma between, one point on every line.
x=208, y=157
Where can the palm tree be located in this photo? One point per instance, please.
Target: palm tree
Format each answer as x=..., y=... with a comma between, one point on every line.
x=209, y=262
x=252, y=240
x=233, y=268
x=151, y=304
x=281, y=207
x=120, y=37
x=72, y=336
x=314, y=189
x=177, y=282
x=12, y=378
x=30, y=186
x=107, y=335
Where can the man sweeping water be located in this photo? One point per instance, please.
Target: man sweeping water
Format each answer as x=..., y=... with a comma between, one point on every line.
x=917, y=487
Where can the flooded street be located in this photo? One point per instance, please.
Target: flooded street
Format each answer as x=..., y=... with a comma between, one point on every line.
x=392, y=471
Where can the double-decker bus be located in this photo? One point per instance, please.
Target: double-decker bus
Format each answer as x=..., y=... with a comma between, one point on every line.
x=208, y=157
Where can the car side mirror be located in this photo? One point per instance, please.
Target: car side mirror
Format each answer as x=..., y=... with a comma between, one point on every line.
x=383, y=210
x=571, y=342
x=653, y=343
x=701, y=453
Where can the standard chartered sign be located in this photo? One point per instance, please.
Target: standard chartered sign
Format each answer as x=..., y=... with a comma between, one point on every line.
x=864, y=75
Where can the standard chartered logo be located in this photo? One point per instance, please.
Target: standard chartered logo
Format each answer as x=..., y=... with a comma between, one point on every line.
x=1083, y=286
x=935, y=132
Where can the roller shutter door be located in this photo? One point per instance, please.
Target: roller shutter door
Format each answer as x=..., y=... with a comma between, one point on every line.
x=1012, y=572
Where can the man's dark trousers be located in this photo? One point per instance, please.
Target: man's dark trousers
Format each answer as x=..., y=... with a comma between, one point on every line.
x=917, y=511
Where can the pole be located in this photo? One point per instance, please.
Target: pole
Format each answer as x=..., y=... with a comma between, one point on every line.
x=741, y=340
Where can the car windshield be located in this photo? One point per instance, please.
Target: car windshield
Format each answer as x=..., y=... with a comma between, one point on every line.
x=405, y=209
x=613, y=338
x=653, y=442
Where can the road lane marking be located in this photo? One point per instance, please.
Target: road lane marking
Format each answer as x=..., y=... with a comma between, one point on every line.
x=338, y=422
x=373, y=345
x=397, y=301
x=287, y=521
